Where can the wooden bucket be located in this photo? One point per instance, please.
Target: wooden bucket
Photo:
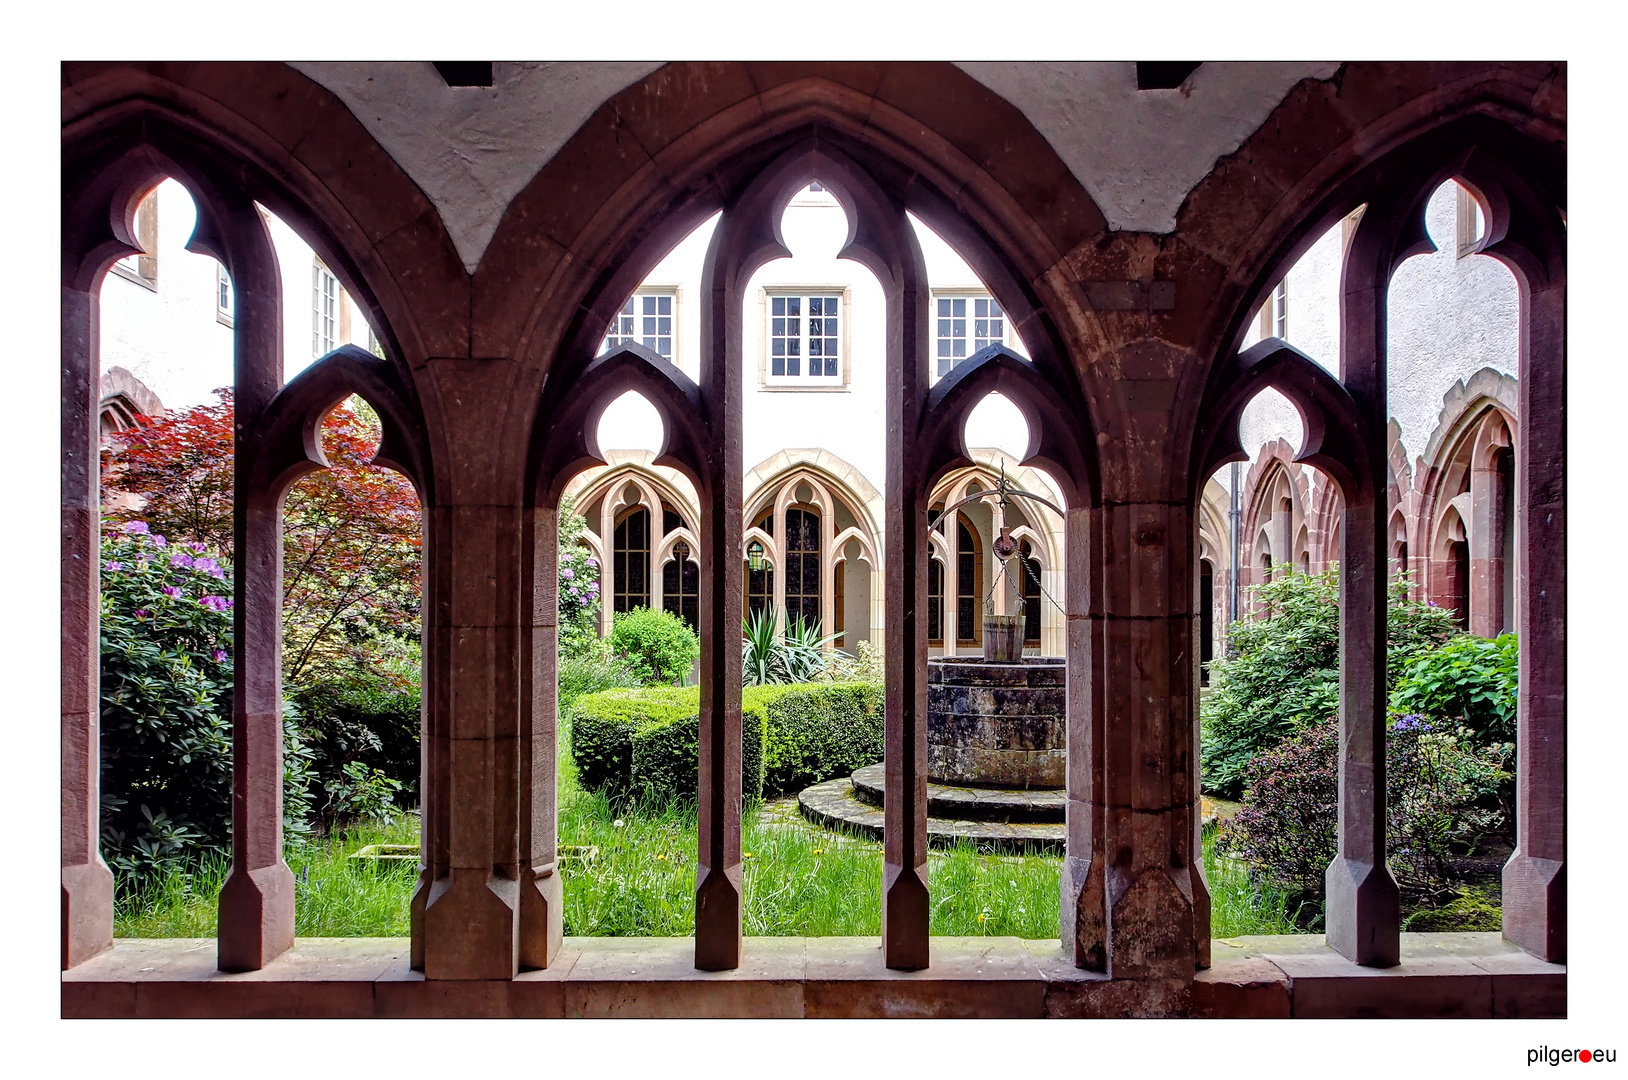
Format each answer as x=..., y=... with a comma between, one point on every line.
x=1003, y=637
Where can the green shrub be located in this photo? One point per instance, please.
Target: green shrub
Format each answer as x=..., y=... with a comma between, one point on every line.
x=589, y=670
x=1284, y=671
x=816, y=732
x=1470, y=680
x=365, y=723
x=645, y=743
x=166, y=711
x=1436, y=789
x=657, y=645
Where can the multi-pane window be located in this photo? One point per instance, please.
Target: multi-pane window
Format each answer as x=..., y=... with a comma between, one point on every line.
x=324, y=310
x=681, y=586
x=630, y=561
x=223, y=295
x=963, y=325
x=646, y=319
x=935, y=601
x=805, y=338
x=802, y=566
x=969, y=574
x=1280, y=310
x=760, y=582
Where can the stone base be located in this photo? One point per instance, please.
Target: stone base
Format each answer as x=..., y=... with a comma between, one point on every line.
x=834, y=805
x=1440, y=975
x=969, y=803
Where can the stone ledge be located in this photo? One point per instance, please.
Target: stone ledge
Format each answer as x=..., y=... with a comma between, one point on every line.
x=1441, y=975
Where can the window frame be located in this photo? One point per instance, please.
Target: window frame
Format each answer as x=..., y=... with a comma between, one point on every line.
x=319, y=294
x=225, y=314
x=142, y=268
x=672, y=292
x=802, y=383
x=960, y=293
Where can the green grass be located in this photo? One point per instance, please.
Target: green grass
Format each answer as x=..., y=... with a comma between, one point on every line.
x=331, y=897
x=799, y=880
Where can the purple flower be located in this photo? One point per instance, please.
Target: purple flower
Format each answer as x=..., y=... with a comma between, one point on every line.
x=217, y=573
x=219, y=656
x=158, y=541
x=574, y=591
x=593, y=586
x=195, y=546
x=171, y=591
x=180, y=558
x=568, y=573
x=592, y=561
x=142, y=613
x=214, y=603
x=113, y=566
x=135, y=526
x=205, y=564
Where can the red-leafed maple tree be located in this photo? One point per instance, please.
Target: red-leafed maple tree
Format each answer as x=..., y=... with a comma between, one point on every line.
x=351, y=532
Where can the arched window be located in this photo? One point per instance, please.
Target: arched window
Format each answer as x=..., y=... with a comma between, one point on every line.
x=802, y=546
x=1031, y=595
x=631, y=560
x=969, y=585
x=681, y=586
x=935, y=601
x=760, y=582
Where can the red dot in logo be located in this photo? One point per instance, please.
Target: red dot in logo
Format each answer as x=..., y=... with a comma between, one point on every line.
x=1584, y=1055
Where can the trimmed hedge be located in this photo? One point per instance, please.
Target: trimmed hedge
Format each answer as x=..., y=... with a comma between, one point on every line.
x=646, y=742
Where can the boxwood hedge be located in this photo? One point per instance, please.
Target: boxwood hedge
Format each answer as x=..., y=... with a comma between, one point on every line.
x=646, y=742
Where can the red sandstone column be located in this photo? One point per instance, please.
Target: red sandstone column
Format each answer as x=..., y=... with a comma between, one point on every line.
x=1363, y=907
x=87, y=884
x=1486, y=531
x=906, y=915
x=541, y=891
x=1084, y=922
x=256, y=921
x=1534, y=892
x=720, y=903
x=1148, y=756
x=471, y=920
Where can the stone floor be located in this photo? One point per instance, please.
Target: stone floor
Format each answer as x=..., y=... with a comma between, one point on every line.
x=1441, y=975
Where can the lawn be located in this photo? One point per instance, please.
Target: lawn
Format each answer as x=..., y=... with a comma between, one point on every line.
x=632, y=873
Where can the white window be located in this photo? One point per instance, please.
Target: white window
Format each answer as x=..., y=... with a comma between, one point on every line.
x=324, y=310
x=1280, y=310
x=223, y=295
x=805, y=338
x=964, y=324
x=647, y=318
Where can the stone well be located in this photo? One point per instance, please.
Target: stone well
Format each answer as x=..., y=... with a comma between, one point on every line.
x=997, y=723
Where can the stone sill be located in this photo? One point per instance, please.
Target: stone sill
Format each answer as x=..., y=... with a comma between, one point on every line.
x=1441, y=975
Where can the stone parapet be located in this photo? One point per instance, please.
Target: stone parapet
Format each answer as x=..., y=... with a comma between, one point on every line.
x=1441, y=975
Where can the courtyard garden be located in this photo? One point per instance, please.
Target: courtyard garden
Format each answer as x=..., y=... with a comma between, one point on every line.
x=629, y=743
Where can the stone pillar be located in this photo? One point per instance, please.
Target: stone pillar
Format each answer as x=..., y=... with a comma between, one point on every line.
x=256, y=922
x=473, y=563
x=87, y=883
x=1534, y=892
x=1486, y=537
x=1148, y=755
x=542, y=894
x=1363, y=908
x=949, y=616
x=1084, y=917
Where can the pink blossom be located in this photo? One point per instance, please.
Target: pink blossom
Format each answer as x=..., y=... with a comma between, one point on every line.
x=171, y=591
x=158, y=541
x=219, y=656
x=214, y=603
x=567, y=573
x=113, y=566
x=135, y=526
x=592, y=561
x=180, y=558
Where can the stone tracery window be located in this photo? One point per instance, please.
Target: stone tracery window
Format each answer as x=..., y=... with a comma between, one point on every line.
x=631, y=560
x=681, y=586
x=802, y=565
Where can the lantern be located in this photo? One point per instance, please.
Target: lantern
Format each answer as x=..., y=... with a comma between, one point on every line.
x=754, y=556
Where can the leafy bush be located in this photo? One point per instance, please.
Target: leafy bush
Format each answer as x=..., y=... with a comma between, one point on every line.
x=589, y=671
x=579, y=584
x=1284, y=671
x=867, y=666
x=1470, y=680
x=166, y=710
x=816, y=732
x=1436, y=788
x=646, y=743
x=367, y=724
x=658, y=646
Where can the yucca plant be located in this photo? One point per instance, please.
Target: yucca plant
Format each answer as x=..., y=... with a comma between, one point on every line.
x=803, y=651
x=760, y=649
x=796, y=657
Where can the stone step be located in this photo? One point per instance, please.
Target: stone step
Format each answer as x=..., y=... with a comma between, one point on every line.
x=958, y=803
x=834, y=805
